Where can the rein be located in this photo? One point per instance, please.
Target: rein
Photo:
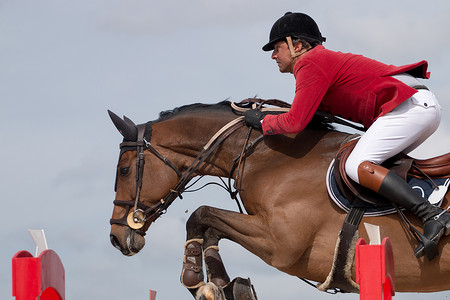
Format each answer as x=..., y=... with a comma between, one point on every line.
x=142, y=213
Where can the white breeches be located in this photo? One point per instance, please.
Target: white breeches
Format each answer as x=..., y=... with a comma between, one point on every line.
x=402, y=129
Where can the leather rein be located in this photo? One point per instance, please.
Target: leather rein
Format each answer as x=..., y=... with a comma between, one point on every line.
x=142, y=213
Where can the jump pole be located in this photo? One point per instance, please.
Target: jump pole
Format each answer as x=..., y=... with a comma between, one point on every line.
x=41, y=277
x=375, y=270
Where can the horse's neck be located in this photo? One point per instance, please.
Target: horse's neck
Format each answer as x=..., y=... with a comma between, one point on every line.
x=187, y=137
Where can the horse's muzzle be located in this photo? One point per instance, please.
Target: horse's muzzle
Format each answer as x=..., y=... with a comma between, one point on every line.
x=131, y=244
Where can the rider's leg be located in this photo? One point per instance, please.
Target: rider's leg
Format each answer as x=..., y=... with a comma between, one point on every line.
x=403, y=129
x=391, y=186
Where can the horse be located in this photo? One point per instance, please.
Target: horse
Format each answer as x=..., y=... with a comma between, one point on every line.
x=290, y=221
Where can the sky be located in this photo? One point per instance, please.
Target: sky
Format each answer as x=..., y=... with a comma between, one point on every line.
x=64, y=63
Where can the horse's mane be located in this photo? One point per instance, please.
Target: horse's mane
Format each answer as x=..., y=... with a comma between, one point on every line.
x=196, y=107
x=318, y=121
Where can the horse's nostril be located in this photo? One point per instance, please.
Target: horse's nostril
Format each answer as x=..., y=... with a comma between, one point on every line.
x=115, y=242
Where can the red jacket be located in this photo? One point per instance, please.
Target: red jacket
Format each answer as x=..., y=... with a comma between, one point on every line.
x=351, y=86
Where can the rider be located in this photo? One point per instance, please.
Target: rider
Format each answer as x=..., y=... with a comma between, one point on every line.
x=397, y=110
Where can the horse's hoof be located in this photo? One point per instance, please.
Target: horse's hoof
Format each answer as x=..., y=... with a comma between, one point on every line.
x=240, y=289
x=210, y=291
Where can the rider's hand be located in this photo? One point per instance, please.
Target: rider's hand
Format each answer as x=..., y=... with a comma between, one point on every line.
x=253, y=118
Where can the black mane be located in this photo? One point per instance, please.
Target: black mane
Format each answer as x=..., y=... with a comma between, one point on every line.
x=196, y=107
x=318, y=121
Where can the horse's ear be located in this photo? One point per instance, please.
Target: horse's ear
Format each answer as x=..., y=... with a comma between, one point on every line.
x=126, y=127
x=128, y=120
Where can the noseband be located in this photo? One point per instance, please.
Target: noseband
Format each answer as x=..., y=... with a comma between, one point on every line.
x=142, y=213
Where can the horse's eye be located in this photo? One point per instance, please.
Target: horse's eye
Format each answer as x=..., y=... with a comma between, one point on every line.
x=123, y=171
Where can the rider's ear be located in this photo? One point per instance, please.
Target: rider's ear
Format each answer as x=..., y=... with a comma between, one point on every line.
x=298, y=47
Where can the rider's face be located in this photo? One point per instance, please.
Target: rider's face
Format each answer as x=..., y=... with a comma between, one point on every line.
x=282, y=56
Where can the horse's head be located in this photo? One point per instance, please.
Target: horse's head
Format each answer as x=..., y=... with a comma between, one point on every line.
x=137, y=205
x=190, y=138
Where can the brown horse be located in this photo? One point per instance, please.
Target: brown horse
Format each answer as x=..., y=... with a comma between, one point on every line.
x=291, y=223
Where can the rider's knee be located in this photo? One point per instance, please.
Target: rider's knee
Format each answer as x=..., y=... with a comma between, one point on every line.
x=351, y=168
x=371, y=175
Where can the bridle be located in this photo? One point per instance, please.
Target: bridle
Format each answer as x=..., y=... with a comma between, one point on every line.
x=141, y=213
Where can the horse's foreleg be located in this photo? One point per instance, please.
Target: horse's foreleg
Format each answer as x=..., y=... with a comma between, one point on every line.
x=192, y=272
x=249, y=231
x=215, y=270
x=212, y=224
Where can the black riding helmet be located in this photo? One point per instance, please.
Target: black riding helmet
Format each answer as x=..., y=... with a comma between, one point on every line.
x=296, y=25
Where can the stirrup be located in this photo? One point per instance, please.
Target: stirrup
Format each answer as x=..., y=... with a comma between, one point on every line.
x=427, y=247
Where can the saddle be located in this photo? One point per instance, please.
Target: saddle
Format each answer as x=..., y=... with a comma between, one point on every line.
x=362, y=198
x=401, y=164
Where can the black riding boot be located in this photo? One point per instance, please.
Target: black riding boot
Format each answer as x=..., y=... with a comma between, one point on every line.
x=391, y=186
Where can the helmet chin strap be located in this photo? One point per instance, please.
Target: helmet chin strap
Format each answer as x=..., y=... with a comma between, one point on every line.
x=292, y=50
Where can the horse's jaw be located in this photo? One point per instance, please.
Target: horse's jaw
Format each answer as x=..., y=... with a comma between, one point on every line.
x=127, y=241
